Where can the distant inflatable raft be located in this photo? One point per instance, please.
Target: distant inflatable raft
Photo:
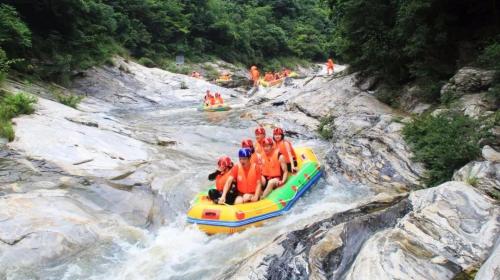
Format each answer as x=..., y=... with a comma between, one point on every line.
x=213, y=218
x=215, y=108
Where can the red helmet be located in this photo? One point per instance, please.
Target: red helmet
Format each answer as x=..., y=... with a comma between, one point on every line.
x=277, y=131
x=224, y=162
x=260, y=130
x=247, y=143
x=268, y=141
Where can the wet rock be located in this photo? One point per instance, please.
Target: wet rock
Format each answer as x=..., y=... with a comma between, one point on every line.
x=76, y=148
x=43, y=228
x=367, y=143
x=323, y=250
x=367, y=83
x=469, y=80
x=451, y=229
x=165, y=141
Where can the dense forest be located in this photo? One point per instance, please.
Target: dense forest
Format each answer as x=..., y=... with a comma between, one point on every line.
x=400, y=41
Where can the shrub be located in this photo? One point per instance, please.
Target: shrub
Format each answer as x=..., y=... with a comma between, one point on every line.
x=17, y=104
x=448, y=97
x=4, y=65
x=147, y=62
x=325, y=128
x=69, y=99
x=210, y=72
x=12, y=106
x=388, y=95
x=490, y=56
x=6, y=130
x=444, y=143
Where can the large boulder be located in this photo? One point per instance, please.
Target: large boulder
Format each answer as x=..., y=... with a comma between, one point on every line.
x=324, y=249
x=436, y=233
x=484, y=175
x=43, y=228
x=451, y=230
x=469, y=80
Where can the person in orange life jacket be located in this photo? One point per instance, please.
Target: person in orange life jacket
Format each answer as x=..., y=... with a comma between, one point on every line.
x=274, y=167
x=247, y=176
x=254, y=75
x=209, y=98
x=224, y=166
x=286, y=149
x=218, y=98
x=255, y=158
x=329, y=66
x=260, y=135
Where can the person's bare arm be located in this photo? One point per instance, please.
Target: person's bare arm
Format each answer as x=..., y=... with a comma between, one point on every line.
x=258, y=191
x=284, y=168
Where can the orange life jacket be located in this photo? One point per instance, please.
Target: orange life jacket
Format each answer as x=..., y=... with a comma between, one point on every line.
x=256, y=158
x=271, y=165
x=247, y=183
x=258, y=148
x=329, y=64
x=221, y=179
x=211, y=100
x=255, y=74
x=285, y=147
x=219, y=100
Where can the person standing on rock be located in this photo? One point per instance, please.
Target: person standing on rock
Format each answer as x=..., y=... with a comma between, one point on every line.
x=329, y=66
x=286, y=149
x=224, y=166
x=274, y=167
x=254, y=75
x=247, y=176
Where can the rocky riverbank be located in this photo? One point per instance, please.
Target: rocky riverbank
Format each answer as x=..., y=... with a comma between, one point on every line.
x=80, y=181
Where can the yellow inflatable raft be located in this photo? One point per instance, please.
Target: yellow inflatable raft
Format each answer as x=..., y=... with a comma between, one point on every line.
x=213, y=218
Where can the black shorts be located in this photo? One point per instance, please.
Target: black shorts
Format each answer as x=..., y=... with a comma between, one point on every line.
x=231, y=195
x=289, y=165
x=270, y=178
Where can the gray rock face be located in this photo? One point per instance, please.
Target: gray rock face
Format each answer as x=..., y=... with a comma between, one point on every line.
x=469, y=80
x=437, y=233
x=367, y=144
x=44, y=227
x=490, y=270
x=452, y=228
x=323, y=250
x=484, y=175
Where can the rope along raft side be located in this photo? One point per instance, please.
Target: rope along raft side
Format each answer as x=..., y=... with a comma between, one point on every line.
x=213, y=218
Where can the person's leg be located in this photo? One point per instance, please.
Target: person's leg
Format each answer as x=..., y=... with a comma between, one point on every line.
x=214, y=195
x=270, y=186
x=238, y=200
x=247, y=197
x=231, y=194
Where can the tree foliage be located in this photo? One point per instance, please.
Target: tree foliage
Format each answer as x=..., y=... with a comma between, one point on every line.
x=60, y=37
x=414, y=39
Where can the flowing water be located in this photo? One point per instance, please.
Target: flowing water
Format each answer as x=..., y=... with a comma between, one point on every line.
x=175, y=249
